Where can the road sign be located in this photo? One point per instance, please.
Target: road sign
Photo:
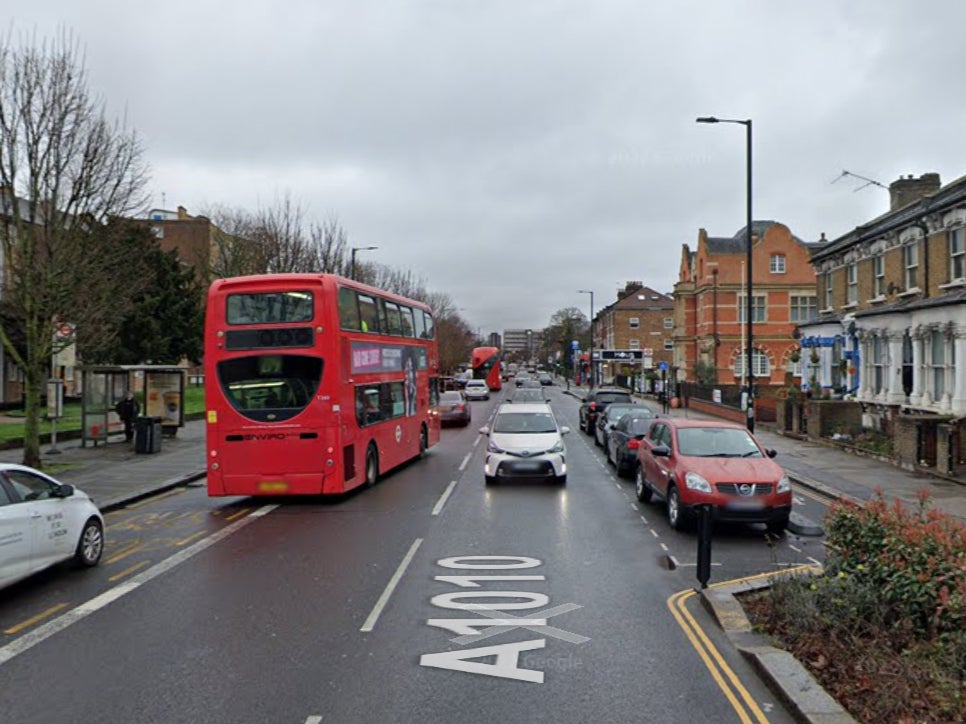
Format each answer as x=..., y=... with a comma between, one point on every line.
x=619, y=355
x=662, y=366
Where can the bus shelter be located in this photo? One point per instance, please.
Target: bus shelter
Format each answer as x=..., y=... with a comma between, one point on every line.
x=159, y=390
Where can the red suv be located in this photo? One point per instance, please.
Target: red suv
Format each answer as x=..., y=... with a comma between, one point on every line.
x=691, y=462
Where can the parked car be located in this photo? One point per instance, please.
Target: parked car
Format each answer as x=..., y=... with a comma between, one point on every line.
x=544, y=378
x=530, y=383
x=624, y=439
x=609, y=417
x=454, y=408
x=525, y=442
x=528, y=394
x=690, y=462
x=596, y=402
x=476, y=390
x=44, y=522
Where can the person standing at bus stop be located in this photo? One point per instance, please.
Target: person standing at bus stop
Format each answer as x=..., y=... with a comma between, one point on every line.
x=127, y=409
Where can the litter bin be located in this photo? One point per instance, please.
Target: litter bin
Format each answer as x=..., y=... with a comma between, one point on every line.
x=147, y=435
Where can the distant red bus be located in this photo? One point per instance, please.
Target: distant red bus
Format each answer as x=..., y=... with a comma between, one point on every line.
x=314, y=384
x=486, y=366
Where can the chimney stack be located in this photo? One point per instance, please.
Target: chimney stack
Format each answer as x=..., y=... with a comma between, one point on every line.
x=905, y=191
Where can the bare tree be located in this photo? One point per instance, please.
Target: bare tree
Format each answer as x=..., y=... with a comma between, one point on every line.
x=65, y=169
x=235, y=250
x=330, y=246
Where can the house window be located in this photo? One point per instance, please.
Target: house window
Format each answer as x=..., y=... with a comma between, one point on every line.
x=669, y=323
x=937, y=363
x=759, y=364
x=910, y=260
x=794, y=368
x=878, y=364
x=803, y=308
x=828, y=289
x=634, y=343
x=668, y=344
x=635, y=322
x=878, y=275
x=957, y=261
x=852, y=277
x=777, y=264
x=757, y=310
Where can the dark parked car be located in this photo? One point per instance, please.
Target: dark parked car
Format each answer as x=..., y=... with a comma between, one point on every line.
x=597, y=401
x=709, y=462
x=529, y=382
x=609, y=417
x=544, y=378
x=624, y=439
x=528, y=394
x=454, y=409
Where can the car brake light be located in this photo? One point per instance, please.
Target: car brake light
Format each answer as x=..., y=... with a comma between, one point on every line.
x=459, y=407
x=633, y=444
x=593, y=406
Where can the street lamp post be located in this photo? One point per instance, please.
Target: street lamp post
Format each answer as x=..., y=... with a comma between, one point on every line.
x=352, y=258
x=749, y=300
x=591, y=293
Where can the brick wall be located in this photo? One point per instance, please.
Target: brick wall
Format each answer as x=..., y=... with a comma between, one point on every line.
x=826, y=417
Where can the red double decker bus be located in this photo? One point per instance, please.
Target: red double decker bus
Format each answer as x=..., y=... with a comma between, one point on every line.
x=486, y=366
x=314, y=384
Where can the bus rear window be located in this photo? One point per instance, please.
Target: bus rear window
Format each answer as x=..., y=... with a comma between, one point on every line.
x=270, y=387
x=269, y=308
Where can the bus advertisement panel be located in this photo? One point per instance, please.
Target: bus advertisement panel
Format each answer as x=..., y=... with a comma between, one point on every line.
x=486, y=366
x=315, y=384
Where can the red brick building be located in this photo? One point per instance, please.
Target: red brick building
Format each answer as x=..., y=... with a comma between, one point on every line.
x=640, y=319
x=710, y=298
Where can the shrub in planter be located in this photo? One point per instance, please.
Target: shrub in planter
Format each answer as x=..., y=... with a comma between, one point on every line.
x=915, y=558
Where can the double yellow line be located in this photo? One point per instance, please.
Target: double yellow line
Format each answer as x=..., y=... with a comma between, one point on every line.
x=740, y=698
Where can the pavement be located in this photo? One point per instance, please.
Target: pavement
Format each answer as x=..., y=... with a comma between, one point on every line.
x=114, y=475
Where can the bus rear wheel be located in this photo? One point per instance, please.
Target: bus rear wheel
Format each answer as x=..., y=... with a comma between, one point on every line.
x=372, y=466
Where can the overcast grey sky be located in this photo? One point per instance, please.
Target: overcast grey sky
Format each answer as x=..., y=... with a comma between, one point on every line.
x=513, y=152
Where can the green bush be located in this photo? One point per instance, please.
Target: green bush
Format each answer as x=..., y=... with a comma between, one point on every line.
x=915, y=559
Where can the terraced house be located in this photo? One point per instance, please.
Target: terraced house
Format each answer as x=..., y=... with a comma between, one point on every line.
x=892, y=322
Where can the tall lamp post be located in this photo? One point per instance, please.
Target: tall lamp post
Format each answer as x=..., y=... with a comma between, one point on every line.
x=591, y=293
x=749, y=301
x=352, y=258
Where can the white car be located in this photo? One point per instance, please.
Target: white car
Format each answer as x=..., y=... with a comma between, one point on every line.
x=44, y=522
x=525, y=442
x=476, y=390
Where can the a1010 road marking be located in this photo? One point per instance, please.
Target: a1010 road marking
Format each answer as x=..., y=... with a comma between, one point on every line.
x=491, y=618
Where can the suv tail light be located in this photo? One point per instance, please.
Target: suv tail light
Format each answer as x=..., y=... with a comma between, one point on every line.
x=633, y=444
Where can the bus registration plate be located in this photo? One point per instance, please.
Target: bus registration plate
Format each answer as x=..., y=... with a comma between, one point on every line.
x=273, y=486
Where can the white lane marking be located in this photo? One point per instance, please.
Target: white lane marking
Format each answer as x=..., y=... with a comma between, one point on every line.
x=815, y=561
x=644, y=519
x=42, y=633
x=444, y=497
x=654, y=533
x=391, y=586
x=466, y=460
x=664, y=547
x=797, y=550
x=477, y=440
x=617, y=485
x=316, y=719
x=634, y=506
x=798, y=499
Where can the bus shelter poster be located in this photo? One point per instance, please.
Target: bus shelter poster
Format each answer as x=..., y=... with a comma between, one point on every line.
x=369, y=357
x=163, y=393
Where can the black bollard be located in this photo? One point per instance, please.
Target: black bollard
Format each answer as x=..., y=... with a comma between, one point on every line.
x=704, y=544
